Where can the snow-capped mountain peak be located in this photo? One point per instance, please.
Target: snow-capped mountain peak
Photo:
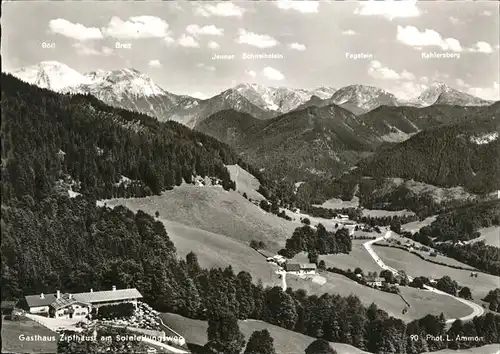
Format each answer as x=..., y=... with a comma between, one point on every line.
x=431, y=94
x=277, y=99
x=440, y=93
x=123, y=81
x=51, y=75
x=362, y=97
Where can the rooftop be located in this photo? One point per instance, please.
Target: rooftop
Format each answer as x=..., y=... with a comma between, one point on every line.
x=292, y=267
x=36, y=300
x=308, y=266
x=377, y=279
x=64, y=301
x=108, y=295
x=302, y=266
x=89, y=297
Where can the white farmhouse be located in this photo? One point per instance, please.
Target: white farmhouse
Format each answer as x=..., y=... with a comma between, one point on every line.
x=300, y=269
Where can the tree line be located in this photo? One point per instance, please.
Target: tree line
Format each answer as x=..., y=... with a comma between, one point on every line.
x=463, y=223
x=317, y=240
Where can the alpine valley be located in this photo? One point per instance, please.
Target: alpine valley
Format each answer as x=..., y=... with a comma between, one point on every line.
x=287, y=220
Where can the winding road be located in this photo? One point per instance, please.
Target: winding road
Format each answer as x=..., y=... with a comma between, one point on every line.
x=477, y=310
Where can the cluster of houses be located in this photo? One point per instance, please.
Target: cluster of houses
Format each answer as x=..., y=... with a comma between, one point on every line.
x=79, y=305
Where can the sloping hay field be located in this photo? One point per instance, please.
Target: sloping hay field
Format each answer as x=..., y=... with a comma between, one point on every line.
x=415, y=226
x=422, y=302
x=215, y=210
x=245, y=182
x=336, y=203
x=11, y=343
x=378, y=213
x=438, y=258
x=215, y=250
x=415, y=266
x=358, y=257
x=285, y=341
x=490, y=235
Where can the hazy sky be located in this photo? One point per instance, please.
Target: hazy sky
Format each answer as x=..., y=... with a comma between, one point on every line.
x=174, y=42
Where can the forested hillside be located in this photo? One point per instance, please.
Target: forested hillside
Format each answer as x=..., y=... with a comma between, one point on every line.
x=462, y=224
x=410, y=120
x=297, y=146
x=47, y=137
x=462, y=154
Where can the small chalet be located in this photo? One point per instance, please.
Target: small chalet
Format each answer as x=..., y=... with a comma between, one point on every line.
x=66, y=306
x=375, y=281
x=79, y=305
x=300, y=268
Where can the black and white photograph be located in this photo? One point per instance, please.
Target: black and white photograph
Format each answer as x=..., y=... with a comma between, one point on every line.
x=250, y=177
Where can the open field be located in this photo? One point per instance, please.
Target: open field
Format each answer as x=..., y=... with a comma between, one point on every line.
x=486, y=349
x=415, y=266
x=358, y=257
x=218, y=225
x=285, y=341
x=438, y=258
x=11, y=343
x=335, y=203
x=377, y=213
x=422, y=302
x=415, y=226
x=245, y=182
x=490, y=235
x=329, y=224
x=215, y=210
x=215, y=250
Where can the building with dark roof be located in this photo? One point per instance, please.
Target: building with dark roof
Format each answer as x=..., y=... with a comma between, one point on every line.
x=79, y=304
x=300, y=268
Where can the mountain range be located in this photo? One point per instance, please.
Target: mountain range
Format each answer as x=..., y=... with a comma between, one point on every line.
x=292, y=133
x=133, y=90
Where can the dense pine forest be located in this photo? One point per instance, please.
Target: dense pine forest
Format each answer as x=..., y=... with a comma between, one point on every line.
x=48, y=136
x=444, y=156
x=51, y=241
x=318, y=240
x=462, y=224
